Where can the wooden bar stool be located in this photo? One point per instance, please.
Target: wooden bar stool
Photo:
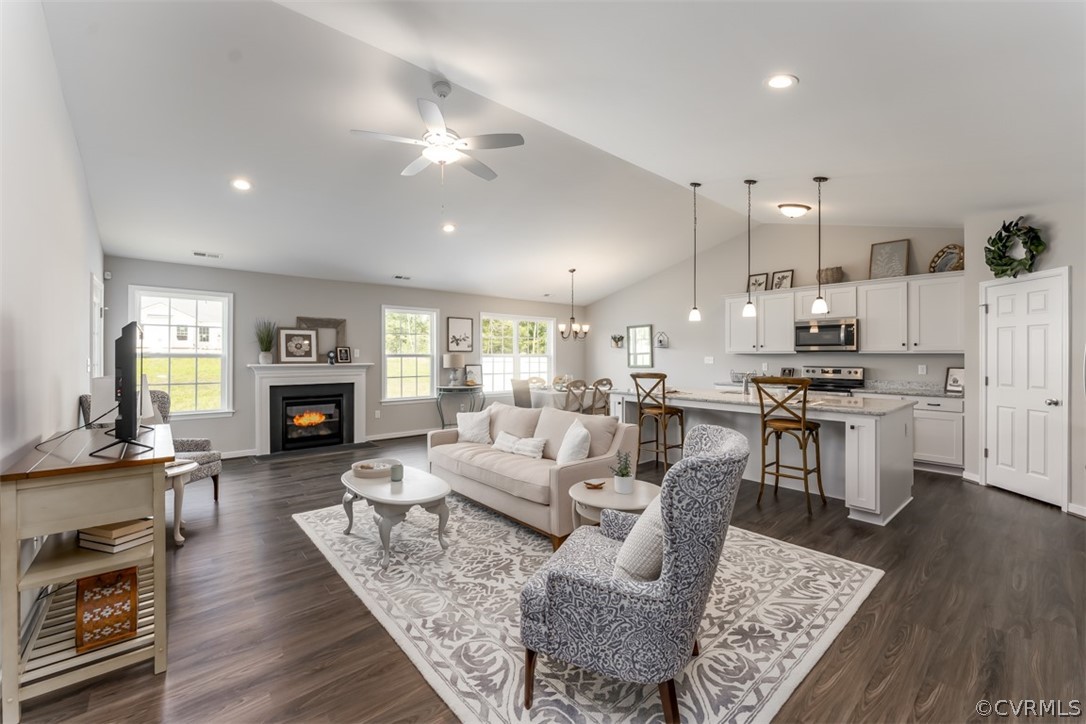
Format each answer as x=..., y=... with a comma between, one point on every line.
x=779, y=419
x=652, y=403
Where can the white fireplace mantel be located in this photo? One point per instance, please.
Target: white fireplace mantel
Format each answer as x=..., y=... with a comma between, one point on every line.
x=268, y=376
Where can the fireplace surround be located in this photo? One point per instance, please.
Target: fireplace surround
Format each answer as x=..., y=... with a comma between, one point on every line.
x=266, y=377
x=308, y=416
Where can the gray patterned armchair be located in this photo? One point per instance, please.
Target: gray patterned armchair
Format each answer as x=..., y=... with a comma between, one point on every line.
x=577, y=610
x=185, y=448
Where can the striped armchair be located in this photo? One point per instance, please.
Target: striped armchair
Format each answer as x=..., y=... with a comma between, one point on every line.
x=197, y=449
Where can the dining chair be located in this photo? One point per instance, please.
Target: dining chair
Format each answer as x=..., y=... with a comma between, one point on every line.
x=779, y=417
x=522, y=393
x=652, y=404
x=575, y=392
x=601, y=397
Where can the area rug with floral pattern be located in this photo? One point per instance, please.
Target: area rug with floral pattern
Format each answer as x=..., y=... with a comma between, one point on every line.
x=774, y=610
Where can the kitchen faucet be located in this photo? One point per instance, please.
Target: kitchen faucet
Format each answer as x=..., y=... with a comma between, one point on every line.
x=746, y=382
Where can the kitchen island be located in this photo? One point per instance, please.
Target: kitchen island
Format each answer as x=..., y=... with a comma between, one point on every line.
x=867, y=443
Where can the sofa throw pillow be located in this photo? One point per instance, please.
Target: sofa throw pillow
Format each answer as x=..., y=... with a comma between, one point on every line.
x=642, y=553
x=574, y=444
x=505, y=442
x=530, y=447
x=517, y=421
x=473, y=426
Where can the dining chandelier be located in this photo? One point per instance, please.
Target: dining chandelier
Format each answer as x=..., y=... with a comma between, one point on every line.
x=695, y=315
x=573, y=329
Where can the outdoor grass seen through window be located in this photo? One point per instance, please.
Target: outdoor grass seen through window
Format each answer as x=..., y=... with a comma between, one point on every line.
x=409, y=353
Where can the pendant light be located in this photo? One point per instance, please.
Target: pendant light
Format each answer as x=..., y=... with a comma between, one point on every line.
x=573, y=329
x=748, y=308
x=819, y=306
x=695, y=315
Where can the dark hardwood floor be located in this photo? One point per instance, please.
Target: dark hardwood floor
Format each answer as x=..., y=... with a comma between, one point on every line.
x=984, y=597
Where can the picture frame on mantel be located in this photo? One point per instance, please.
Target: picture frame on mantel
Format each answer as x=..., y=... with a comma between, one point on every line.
x=460, y=334
x=889, y=259
x=297, y=345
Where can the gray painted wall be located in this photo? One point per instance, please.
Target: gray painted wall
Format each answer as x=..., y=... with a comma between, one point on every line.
x=284, y=298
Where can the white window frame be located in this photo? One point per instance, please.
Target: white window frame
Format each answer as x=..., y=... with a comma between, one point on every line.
x=516, y=319
x=135, y=291
x=435, y=343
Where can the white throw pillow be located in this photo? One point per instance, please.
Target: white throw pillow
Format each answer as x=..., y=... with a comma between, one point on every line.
x=530, y=447
x=506, y=442
x=473, y=426
x=574, y=444
x=642, y=553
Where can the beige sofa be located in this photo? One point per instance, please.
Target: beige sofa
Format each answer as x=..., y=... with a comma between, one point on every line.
x=533, y=492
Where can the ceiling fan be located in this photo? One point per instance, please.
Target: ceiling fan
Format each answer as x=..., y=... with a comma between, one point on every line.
x=442, y=145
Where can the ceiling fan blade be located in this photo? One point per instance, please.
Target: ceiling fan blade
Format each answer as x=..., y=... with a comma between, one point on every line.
x=388, y=137
x=431, y=116
x=478, y=168
x=493, y=140
x=415, y=166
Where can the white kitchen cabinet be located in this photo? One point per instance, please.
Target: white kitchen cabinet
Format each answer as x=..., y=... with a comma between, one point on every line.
x=771, y=331
x=938, y=428
x=935, y=314
x=884, y=317
x=862, y=465
x=840, y=299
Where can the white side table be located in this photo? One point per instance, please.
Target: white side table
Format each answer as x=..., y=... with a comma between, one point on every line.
x=587, y=503
x=178, y=477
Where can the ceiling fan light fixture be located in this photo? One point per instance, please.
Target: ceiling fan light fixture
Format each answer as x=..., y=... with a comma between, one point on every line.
x=794, y=211
x=782, y=80
x=441, y=154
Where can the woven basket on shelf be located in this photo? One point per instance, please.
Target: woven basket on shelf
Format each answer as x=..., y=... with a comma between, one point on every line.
x=831, y=275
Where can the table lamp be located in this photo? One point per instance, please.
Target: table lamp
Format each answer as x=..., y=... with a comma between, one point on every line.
x=452, y=361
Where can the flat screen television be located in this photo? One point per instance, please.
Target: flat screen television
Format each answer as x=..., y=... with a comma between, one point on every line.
x=128, y=362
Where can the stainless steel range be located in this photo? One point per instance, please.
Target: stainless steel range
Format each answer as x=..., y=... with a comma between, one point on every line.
x=834, y=380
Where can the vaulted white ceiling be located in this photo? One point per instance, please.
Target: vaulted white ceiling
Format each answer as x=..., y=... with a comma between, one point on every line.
x=921, y=113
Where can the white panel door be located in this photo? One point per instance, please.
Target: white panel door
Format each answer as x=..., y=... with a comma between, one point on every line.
x=1026, y=407
x=97, y=316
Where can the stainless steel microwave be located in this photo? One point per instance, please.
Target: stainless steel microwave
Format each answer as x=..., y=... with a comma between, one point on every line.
x=827, y=335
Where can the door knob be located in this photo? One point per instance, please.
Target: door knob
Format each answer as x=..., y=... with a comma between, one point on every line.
x=1052, y=403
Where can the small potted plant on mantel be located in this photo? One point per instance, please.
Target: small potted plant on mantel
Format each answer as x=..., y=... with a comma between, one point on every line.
x=265, y=331
x=624, y=479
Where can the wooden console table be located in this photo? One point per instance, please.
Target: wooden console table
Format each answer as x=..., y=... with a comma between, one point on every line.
x=54, y=494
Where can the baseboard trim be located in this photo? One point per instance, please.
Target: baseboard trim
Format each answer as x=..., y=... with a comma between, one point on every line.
x=239, y=454
x=1077, y=510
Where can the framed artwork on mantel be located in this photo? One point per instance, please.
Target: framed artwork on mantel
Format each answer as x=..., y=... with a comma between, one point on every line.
x=297, y=345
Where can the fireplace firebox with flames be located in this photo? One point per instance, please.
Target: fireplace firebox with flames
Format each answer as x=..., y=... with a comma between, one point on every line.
x=305, y=416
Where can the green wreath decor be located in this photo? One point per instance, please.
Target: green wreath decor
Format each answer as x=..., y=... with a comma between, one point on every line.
x=1003, y=264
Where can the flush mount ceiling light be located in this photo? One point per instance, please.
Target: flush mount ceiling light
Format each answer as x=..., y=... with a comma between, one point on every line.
x=782, y=80
x=819, y=306
x=241, y=184
x=794, y=211
x=748, y=308
x=695, y=315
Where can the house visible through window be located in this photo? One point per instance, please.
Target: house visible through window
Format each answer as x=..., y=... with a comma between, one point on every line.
x=409, y=353
x=194, y=369
x=515, y=348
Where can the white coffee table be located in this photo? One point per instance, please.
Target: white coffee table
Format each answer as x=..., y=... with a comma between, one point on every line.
x=391, y=501
x=587, y=503
x=178, y=476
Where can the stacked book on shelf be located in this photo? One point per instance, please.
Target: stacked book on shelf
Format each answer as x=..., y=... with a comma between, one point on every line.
x=117, y=537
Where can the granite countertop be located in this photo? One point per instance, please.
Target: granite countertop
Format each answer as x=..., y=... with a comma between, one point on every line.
x=911, y=391
x=815, y=402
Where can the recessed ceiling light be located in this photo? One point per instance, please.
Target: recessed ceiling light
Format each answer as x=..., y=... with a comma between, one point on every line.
x=448, y=227
x=793, y=211
x=241, y=184
x=782, y=80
